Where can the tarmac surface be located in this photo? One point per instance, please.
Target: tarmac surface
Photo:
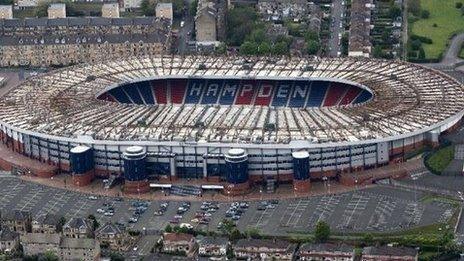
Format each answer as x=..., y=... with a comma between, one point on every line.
x=376, y=209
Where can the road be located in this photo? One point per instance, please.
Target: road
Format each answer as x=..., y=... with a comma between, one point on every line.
x=185, y=32
x=450, y=60
x=338, y=9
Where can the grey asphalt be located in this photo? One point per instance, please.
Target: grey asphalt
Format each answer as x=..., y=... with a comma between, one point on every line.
x=373, y=209
x=336, y=13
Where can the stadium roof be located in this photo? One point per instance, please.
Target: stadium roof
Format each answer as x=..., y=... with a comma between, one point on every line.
x=408, y=98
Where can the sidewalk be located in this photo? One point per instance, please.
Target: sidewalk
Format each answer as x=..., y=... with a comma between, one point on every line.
x=285, y=191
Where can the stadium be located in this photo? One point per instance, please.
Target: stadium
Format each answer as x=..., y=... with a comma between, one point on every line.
x=228, y=121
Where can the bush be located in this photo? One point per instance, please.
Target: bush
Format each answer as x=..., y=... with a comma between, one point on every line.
x=425, y=14
x=458, y=5
x=322, y=231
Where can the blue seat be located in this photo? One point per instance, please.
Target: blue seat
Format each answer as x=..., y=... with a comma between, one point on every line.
x=317, y=94
x=362, y=97
x=119, y=95
x=131, y=90
x=145, y=89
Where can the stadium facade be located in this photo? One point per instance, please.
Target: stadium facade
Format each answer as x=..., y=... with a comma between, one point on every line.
x=231, y=121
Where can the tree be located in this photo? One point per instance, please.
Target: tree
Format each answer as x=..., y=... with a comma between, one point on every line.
x=148, y=7
x=280, y=48
x=421, y=53
x=378, y=53
x=60, y=225
x=367, y=239
x=41, y=9
x=416, y=44
x=235, y=235
x=425, y=14
x=253, y=233
x=264, y=48
x=94, y=220
x=313, y=47
x=221, y=48
x=394, y=11
x=322, y=231
x=458, y=5
x=116, y=257
x=6, y=2
x=311, y=35
x=49, y=256
x=249, y=48
x=193, y=7
x=414, y=7
x=168, y=229
x=240, y=23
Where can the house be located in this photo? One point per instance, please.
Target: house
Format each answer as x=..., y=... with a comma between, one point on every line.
x=164, y=10
x=113, y=236
x=178, y=243
x=9, y=240
x=41, y=42
x=205, y=21
x=264, y=249
x=17, y=221
x=212, y=246
x=46, y=223
x=56, y=10
x=359, y=43
x=37, y=243
x=326, y=251
x=389, y=253
x=85, y=249
x=78, y=227
x=110, y=10
x=6, y=12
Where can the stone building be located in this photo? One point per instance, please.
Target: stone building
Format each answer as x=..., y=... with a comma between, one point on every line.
x=6, y=12
x=116, y=238
x=17, y=221
x=61, y=42
x=9, y=240
x=46, y=223
x=78, y=228
x=164, y=10
x=57, y=10
x=110, y=10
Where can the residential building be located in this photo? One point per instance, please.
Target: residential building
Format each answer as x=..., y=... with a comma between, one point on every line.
x=17, y=221
x=264, y=249
x=24, y=4
x=116, y=238
x=57, y=10
x=178, y=243
x=46, y=223
x=326, y=251
x=37, y=243
x=387, y=253
x=110, y=10
x=85, y=249
x=359, y=43
x=6, y=12
x=78, y=227
x=42, y=42
x=205, y=21
x=212, y=246
x=164, y=10
x=9, y=240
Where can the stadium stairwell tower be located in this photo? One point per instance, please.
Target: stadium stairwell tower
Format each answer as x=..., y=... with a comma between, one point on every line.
x=301, y=181
x=82, y=165
x=236, y=172
x=135, y=172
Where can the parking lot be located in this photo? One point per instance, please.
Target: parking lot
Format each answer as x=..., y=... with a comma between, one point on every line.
x=373, y=209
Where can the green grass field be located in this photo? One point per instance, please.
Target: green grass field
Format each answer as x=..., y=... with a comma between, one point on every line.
x=441, y=159
x=448, y=19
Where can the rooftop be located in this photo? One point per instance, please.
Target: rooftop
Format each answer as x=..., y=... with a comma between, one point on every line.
x=409, y=99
